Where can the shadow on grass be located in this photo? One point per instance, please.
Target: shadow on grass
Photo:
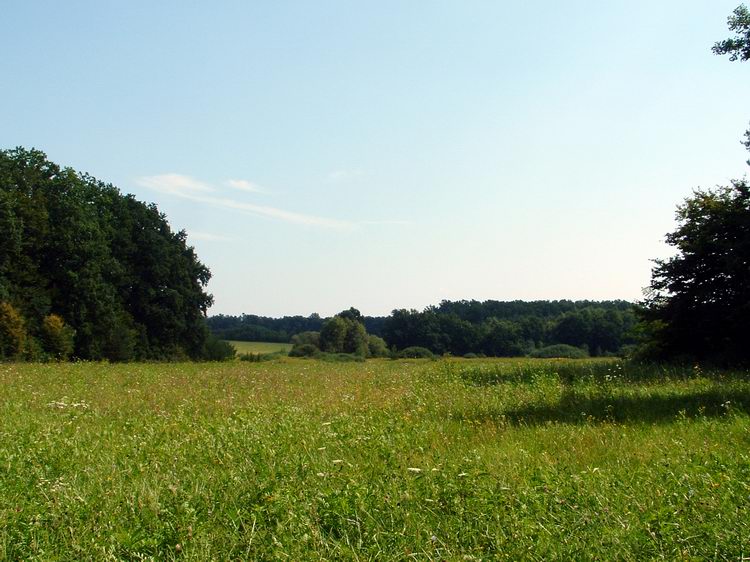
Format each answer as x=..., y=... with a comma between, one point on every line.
x=574, y=371
x=578, y=408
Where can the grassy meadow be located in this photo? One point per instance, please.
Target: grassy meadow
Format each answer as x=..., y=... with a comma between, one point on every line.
x=383, y=460
x=259, y=346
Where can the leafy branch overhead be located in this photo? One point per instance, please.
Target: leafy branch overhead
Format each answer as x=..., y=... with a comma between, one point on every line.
x=738, y=47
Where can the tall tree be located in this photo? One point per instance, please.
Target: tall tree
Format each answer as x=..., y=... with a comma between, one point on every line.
x=109, y=266
x=699, y=301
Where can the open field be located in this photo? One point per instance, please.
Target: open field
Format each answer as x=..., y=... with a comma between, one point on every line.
x=259, y=346
x=386, y=460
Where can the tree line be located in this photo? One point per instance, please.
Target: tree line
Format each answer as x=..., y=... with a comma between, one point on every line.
x=89, y=273
x=250, y=327
x=493, y=328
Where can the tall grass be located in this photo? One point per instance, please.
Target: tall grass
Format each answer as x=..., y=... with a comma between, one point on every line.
x=386, y=460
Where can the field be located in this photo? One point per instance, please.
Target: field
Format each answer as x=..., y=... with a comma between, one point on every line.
x=259, y=346
x=383, y=460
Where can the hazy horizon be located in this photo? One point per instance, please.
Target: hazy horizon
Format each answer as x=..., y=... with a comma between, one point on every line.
x=389, y=155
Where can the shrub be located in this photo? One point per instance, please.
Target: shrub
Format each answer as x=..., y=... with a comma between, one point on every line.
x=559, y=350
x=377, y=347
x=333, y=335
x=302, y=338
x=304, y=350
x=415, y=352
x=260, y=357
x=56, y=337
x=341, y=357
x=12, y=332
x=218, y=350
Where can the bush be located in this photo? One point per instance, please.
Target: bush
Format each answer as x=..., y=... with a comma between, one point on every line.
x=260, y=357
x=415, y=352
x=559, y=350
x=12, y=332
x=377, y=347
x=56, y=337
x=471, y=356
x=304, y=350
x=302, y=338
x=341, y=357
x=218, y=350
x=333, y=334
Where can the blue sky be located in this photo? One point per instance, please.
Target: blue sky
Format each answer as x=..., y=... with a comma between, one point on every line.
x=389, y=154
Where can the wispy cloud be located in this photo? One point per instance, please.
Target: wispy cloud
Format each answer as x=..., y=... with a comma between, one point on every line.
x=194, y=190
x=175, y=184
x=344, y=175
x=393, y=222
x=244, y=185
x=208, y=237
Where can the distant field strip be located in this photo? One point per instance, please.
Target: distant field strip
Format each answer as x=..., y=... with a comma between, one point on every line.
x=382, y=460
x=259, y=346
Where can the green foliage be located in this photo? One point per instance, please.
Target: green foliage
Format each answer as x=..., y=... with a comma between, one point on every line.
x=699, y=301
x=304, y=350
x=737, y=47
x=513, y=328
x=109, y=265
x=502, y=338
x=415, y=352
x=356, y=341
x=340, y=357
x=559, y=350
x=56, y=337
x=218, y=350
x=261, y=357
x=312, y=338
x=345, y=333
x=377, y=347
x=333, y=335
x=13, y=334
x=119, y=341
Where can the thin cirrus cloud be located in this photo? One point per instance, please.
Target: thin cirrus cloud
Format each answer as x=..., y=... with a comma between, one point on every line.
x=344, y=175
x=189, y=188
x=244, y=185
x=174, y=184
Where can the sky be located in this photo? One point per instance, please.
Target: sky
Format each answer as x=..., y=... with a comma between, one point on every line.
x=389, y=154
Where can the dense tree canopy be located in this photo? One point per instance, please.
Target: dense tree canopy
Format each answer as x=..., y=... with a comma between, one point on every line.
x=344, y=333
x=513, y=328
x=105, y=265
x=699, y=304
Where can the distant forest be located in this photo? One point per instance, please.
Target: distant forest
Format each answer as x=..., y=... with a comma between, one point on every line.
x=493, y=328
x=249, y=327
